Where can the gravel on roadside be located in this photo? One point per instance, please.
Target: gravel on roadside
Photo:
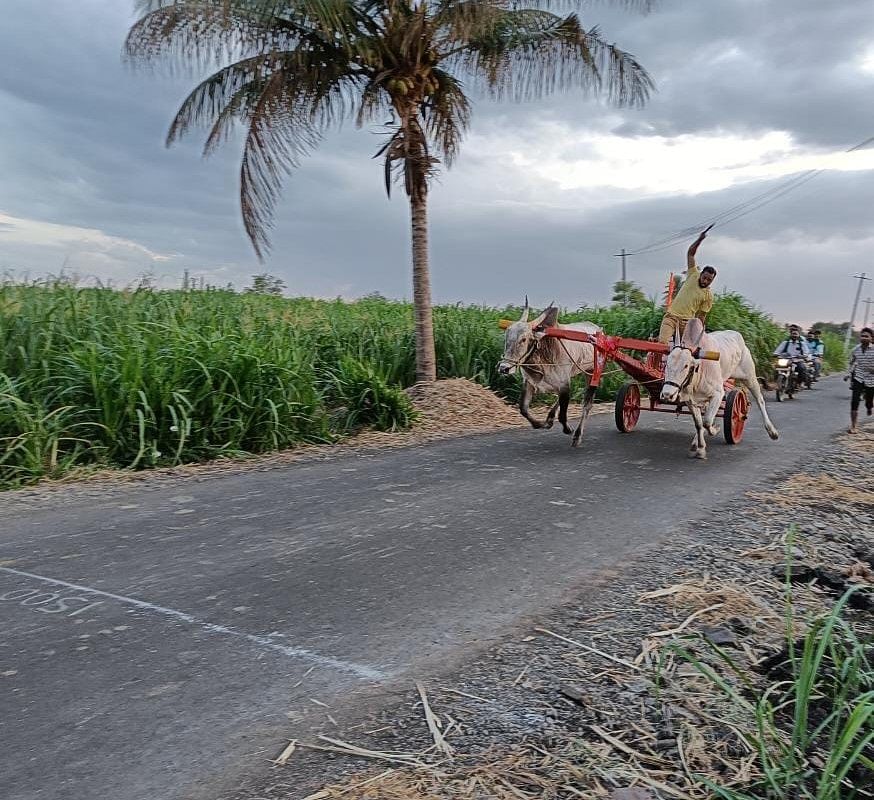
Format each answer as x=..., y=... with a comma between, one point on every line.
x=594, y=700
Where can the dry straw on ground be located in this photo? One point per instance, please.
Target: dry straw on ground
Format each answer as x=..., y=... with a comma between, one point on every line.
x=818, y=491
x=615, y=735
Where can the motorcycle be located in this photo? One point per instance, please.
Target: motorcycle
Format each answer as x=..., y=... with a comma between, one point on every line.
x=792, y=374
x=809, y=371
x=784, y=377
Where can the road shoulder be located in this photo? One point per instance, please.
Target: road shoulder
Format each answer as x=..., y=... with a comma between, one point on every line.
x=570, y=706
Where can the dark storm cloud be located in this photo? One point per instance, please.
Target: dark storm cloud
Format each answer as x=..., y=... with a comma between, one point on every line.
x=81, y=144
x=89, y=150
x=755, y=66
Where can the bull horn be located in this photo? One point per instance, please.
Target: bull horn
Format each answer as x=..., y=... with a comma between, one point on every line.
x=524, y=317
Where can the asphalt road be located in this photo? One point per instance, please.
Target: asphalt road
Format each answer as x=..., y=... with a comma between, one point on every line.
x=159, y=642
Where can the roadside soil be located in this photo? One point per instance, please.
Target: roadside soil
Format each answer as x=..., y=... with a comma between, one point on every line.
x=594, y=700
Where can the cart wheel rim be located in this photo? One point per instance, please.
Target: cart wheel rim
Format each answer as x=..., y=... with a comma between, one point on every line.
x=739, y=409
x=631, y=406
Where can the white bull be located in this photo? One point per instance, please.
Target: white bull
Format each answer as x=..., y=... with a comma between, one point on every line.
x=547, y=364
x=699, y=382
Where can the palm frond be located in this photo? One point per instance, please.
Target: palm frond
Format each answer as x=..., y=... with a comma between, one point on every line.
x=406, y=158
x=278, y=136
x=529, y=53
x=374, y=103
x=571, y=6
x=199, y=34
x=306, y=95
x=446, y=115
x=222, y=94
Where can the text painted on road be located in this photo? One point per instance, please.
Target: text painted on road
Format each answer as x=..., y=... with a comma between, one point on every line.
x=263, y=641
x=70, y=605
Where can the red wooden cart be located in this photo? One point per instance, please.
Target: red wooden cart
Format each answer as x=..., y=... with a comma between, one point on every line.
x=649, y=374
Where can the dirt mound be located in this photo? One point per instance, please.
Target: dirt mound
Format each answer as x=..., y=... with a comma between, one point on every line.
x=458, y=405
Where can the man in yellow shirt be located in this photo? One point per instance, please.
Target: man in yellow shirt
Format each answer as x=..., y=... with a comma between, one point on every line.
x=694, y=298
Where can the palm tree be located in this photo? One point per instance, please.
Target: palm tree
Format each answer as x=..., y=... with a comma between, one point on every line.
x=290, y=70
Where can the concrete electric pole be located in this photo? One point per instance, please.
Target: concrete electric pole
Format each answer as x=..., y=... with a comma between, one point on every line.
x=862, y=278
x=622, y=254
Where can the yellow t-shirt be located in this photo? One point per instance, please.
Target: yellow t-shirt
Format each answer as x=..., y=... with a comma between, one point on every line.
x=691, y=300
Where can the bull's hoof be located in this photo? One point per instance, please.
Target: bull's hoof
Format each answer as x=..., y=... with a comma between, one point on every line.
x=575, y=442
x=566, y=430
x=536, y=425
x=712, y=430
x=774, y=434
x=702, y=454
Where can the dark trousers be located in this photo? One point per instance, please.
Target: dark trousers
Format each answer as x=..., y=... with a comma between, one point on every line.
x=801, y=371
x=859, y=389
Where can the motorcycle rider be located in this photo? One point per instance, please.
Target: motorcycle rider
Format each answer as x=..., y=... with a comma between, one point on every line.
x=796, y=348
x=817, y=350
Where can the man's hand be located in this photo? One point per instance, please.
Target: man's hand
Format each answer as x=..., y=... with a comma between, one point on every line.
x=693, y=248
x=703, y=235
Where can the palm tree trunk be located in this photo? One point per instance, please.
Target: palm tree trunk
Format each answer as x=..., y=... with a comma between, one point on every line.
x=426, y=361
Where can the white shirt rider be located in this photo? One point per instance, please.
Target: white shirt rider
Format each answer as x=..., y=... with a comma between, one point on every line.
x=793, y=348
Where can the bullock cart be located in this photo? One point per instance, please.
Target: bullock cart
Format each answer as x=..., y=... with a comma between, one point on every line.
x=648, y=375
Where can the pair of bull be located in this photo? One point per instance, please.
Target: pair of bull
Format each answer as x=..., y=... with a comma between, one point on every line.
x=548, y=363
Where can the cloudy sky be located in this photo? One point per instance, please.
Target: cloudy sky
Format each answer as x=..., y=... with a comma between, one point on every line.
x=750, y=93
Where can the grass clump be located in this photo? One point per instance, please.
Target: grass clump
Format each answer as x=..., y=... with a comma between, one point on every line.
x=811, y=726
x=365, y=399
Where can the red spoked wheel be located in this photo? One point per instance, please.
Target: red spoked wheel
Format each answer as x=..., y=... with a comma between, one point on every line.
x=734, y=417
x=627, y=409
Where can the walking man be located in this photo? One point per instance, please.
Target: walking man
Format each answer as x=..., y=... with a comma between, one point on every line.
x=861, y=376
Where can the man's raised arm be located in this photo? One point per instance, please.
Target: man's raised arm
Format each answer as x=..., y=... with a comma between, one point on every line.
x=690, y=255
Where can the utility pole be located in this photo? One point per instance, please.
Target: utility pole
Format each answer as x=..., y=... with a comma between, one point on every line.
x=622, y=255
x=867, y=311
x=862, y=278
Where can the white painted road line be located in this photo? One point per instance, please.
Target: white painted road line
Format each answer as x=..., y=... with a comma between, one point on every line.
x=358, y=670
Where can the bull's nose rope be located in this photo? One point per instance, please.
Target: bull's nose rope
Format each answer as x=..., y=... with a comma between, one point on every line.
x=686, y=382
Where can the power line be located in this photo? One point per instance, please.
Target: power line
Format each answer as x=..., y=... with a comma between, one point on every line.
x=741, y=209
